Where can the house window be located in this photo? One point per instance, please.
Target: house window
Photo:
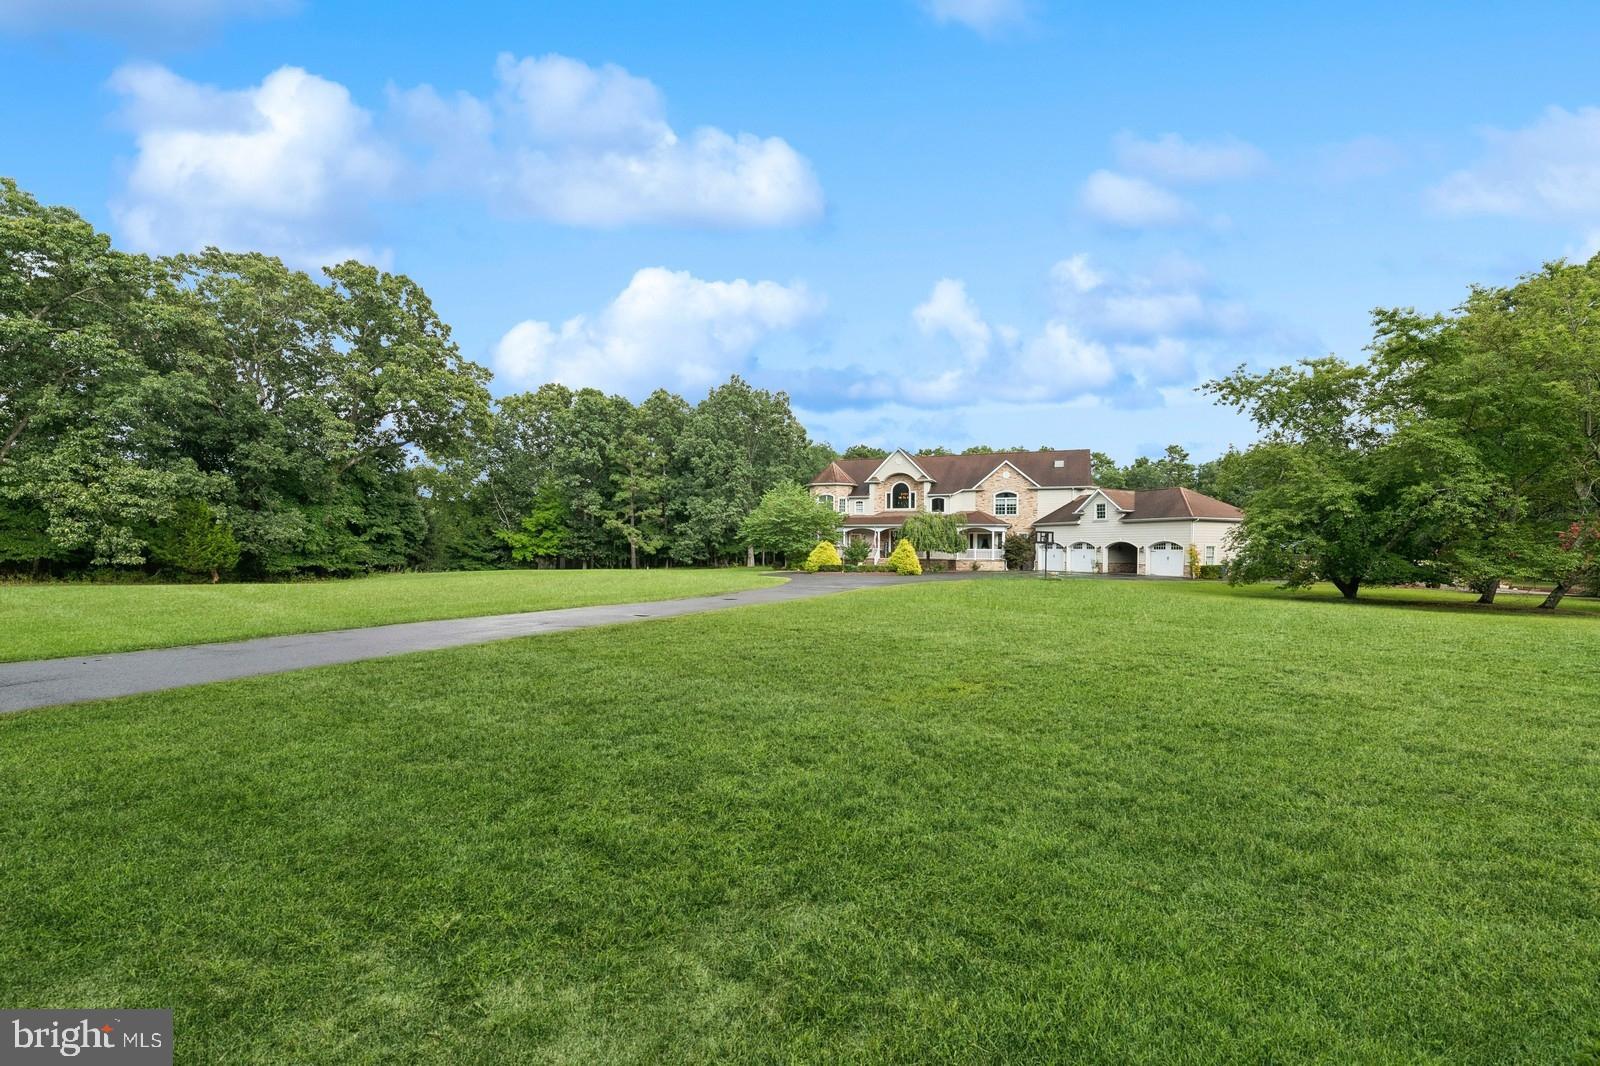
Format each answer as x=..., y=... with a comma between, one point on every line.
x=1005, y=503
x=825, y=500
x=858, y=506
x=1099, y=510
x=936, y=505
x=901, y=498
x=1211, y=554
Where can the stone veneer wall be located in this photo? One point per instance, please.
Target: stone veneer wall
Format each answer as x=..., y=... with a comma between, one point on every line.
x=1027, y=498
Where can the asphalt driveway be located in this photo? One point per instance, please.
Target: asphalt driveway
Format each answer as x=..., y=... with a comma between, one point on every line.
x=45, y=682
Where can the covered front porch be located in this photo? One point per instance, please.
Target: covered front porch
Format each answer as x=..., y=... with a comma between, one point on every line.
x=985, y=541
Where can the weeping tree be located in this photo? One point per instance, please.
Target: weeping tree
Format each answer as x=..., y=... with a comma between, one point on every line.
x=934, y=533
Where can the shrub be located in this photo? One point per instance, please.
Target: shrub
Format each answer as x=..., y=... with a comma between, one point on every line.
x=1193, y=558
x=904, y=558
x=1213, y=571
x=196, y=540
x=857, y=552
x=823, y=557
x=1019, y=553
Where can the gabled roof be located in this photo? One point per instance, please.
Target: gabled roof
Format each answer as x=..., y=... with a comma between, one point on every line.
x=909, y=458
x=834, y=475
x=952, y=473
x=1148, y=505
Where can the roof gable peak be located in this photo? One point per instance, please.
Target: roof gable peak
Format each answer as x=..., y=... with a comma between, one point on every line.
x=877, y=473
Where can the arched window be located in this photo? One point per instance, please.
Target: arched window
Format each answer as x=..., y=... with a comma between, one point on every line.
x=1083, y=546
x=826, y=501
x=1167, y=546
x=1005, y=503
x=901, y=497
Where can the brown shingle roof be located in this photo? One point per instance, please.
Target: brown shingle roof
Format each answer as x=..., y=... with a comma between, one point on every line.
x=1149, y=505
x=952, y=473
x=834, y=475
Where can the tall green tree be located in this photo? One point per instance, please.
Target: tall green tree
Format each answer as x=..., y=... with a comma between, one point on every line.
x=1346, y=497
x=788, y=521
x=1517, y=371
x=739, y=442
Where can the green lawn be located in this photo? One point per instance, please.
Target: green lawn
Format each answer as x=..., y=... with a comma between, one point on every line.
x=49, y=620
x=1011, y=820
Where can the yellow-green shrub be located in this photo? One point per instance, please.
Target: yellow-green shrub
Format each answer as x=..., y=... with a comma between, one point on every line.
x=904, y=558
x=823, y=557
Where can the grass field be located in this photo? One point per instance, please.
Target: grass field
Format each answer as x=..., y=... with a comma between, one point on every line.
x=985, y=821
x=49, y=620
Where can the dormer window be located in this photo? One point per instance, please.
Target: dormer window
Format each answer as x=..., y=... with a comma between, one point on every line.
x=901, y=498
x=1005, y=503
x=1099, y=510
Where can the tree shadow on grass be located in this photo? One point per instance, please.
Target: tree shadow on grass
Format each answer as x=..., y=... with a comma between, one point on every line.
x=1506, y=605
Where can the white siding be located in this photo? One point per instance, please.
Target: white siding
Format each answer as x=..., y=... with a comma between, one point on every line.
x=1111, y=530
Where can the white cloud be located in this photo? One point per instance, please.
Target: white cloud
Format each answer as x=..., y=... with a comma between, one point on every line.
x=1131, y=202
x=139, y=17
x=1174, y=297
x=1110, y=337
x=590, y=146
x=562, y=100
x=1061, y=363
x=1075, y=273
x=291, y=165
x=281, y=167
x=1547, y=170
x=1173, y=158
x=667, y=329
x=949, y=310
x=986, y=17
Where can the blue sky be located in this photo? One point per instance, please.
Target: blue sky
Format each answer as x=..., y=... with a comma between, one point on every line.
x=932, y=221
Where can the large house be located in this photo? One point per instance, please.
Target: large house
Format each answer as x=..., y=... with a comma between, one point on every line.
x=1048, y=496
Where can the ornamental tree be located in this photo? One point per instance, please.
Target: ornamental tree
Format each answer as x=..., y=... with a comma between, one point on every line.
x=823, y=557
x=904, y=558
x=929, y=532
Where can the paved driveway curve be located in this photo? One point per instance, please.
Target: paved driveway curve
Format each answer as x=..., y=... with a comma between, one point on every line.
x=44, y=682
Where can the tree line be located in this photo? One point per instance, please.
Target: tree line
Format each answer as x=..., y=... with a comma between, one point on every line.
x=1465, y=450
x=222, y=413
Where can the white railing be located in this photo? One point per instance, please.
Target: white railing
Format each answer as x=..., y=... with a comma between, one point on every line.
x=973, y=555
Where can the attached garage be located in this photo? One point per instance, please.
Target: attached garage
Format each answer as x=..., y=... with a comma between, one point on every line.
x=1165, y=559
x=1081, y=558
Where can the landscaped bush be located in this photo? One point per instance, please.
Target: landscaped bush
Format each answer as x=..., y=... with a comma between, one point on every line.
x=857, y=552
x=823, y=557
x=870, y=568
x=904, y=559
x=1212, y=572
x=1019, y=553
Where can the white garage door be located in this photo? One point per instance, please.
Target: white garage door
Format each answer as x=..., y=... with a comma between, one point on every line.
x=1081, y=557
x=1051, y=557
x=1166, y=559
